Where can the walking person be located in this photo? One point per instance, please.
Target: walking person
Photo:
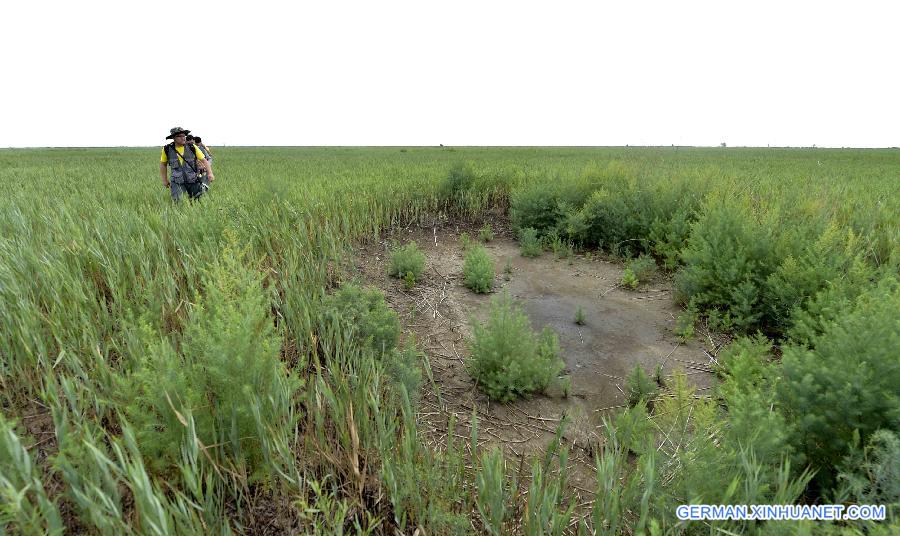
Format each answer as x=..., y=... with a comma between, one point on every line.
x=204, y=176
x=186, y=162
x=202, y=146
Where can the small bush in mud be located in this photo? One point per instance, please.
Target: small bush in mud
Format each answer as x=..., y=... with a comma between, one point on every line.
x=465, y=241
x=579, y=316
x=530, y=242
x=639, y=386
x=684, y=324
x=486, y=233
x=629, y=279
x=643, y=267
x=508, y=359
x=406, y=260
x=478, y=270
x=375, y=324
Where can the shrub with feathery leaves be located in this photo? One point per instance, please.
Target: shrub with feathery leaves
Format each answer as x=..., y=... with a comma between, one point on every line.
x=374, y=324
x=507, y=358
x=529, y=242
x=226, y=373
x=478, y=270
x=407, y=262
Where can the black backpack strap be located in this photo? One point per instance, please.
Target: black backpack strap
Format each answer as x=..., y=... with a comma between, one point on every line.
x=193, y=149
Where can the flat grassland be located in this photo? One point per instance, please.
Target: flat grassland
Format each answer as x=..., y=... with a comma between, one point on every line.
x=188, y=369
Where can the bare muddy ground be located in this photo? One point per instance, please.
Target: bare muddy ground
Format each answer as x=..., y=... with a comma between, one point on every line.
x=622, y=327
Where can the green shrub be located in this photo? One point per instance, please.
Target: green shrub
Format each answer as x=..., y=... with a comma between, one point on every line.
x=530, y=243
x=579, y=316
x=374, y=324
x=830, y=304
x=629, y=279
x=465, y=241
x=670, y=236
x=459, y=179
x=748, y=389
x=478, y=270
x=227, y=373
x=552, y=242
x=539, y=206
x=659, y=375
x=631, y=429
x=407, y=259
x=809, y=265
x=871, y=475
x=615, y=220
x=684, y=323
x=639, y=386
x=727, y=260
x=402, y=367
x=508, y=359
x=643, y=267
x=486, y=233
x=847, y=382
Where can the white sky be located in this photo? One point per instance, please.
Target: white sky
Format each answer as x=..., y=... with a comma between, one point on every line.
x=457, y=72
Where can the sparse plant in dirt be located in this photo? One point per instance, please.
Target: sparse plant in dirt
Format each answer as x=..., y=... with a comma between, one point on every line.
x=684, y=323
x=659, y=376
x=493, y=493
x=405, y=260
x=564, y=383
x=465, y=241
x=507, y=270
x=409, y=281
x=643, y=267
x=639, y=386
x=478, y=270
x=530, y=243
x=509, y=360
x=579, y=316
x=486, y=233
x=629, y=280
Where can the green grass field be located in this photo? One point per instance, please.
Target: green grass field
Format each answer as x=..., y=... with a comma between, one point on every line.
x=177, y=369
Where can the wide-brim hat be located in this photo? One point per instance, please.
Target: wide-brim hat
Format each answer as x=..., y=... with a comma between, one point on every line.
x=176, y=131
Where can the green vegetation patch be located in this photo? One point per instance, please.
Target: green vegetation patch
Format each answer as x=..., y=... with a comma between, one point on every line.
x=509, y=360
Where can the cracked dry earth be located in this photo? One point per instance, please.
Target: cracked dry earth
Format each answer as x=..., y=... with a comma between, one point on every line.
x=622, y=327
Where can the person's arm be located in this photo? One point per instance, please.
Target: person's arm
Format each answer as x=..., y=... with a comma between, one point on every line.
x=163, y=164
x=209, y=170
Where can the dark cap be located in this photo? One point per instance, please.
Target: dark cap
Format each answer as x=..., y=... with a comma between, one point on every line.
x=176, y=131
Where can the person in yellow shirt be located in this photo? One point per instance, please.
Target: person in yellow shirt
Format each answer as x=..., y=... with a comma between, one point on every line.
x=186, y=162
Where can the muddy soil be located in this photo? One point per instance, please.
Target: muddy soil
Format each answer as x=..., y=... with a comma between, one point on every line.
x=622, y=327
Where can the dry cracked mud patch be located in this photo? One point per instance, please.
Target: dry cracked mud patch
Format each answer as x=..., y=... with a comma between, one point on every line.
x=622, y=327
